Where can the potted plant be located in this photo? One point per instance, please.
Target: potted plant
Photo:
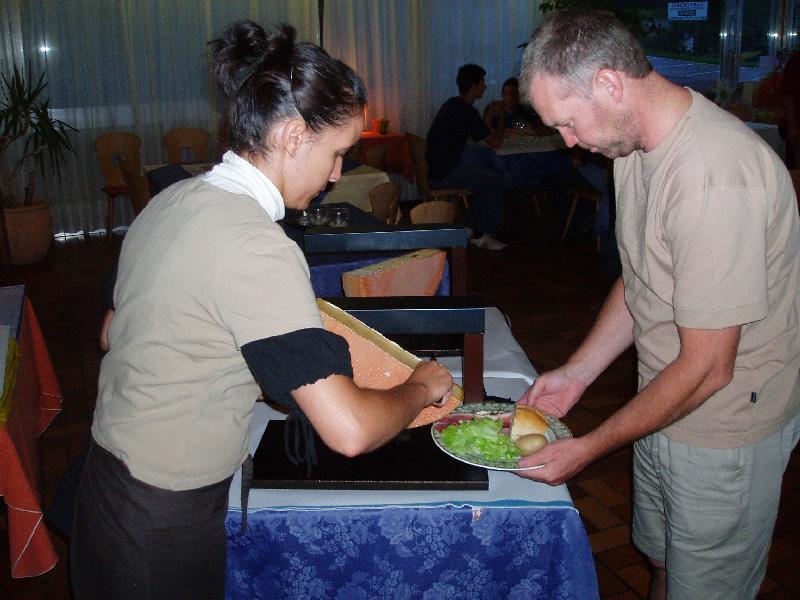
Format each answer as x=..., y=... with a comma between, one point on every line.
x=30, y=139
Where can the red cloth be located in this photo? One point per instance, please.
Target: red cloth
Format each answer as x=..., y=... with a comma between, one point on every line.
x=398, y=154
x=37, y=399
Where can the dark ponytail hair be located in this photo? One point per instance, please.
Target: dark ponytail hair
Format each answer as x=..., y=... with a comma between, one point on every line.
x=268, y=78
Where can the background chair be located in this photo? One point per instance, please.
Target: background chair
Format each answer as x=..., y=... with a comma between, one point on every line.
x=110, y=147
x=375, y=157
x=434, y=211
x=418, y=147
x=580, y=189
x=138, y=186
x=385, y=201
x=191, y=139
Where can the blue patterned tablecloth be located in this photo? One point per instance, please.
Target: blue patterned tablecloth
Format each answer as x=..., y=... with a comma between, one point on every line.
x=437, y=553
x=519, y=539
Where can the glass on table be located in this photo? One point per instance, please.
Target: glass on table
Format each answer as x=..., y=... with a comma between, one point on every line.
x=339, y=216
x=317, y=215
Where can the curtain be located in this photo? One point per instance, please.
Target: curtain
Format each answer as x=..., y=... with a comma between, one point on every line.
x=142, y=66
x=408, y=51
x=126, y=65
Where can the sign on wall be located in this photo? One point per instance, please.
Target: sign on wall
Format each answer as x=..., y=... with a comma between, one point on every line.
x=687, y=11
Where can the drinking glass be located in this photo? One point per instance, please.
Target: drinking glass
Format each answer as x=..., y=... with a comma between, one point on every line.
x=318, y=215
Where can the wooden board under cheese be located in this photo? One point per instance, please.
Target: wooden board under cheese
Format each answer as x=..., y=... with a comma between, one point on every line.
x=378, y=362
x=415, y=274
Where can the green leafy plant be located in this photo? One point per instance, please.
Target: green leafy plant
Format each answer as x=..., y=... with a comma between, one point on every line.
x=30, y=138
x=628, y=16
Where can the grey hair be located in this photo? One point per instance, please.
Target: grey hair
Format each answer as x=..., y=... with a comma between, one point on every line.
x=574, y=44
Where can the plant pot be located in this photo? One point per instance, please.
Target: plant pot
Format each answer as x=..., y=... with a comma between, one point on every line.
x=28, y=232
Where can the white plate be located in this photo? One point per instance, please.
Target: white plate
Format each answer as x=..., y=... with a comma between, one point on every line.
x=492, y=410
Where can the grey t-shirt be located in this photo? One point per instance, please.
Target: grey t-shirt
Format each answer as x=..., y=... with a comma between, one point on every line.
x=709, y=238
x=202, y=273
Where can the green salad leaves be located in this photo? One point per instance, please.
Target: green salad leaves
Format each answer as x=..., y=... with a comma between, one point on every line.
x=480, y=437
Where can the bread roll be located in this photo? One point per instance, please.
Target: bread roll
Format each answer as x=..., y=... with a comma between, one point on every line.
x=527, y=420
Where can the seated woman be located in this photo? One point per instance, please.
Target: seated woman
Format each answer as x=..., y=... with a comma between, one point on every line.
x=513, y=113
x=212, y=302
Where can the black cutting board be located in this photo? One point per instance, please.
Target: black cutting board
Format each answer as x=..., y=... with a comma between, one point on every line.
x=411, y=461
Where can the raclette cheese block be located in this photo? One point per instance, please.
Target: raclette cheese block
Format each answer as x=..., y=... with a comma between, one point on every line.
x=378, y=362
x=415, y=274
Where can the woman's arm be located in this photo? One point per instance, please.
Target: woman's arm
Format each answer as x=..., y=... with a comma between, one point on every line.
x=353, y=420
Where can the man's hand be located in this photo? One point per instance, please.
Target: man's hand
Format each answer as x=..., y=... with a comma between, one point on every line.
x=554, y=392
x=562, y=459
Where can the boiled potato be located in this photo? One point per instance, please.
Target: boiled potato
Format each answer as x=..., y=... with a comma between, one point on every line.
x=533, y=442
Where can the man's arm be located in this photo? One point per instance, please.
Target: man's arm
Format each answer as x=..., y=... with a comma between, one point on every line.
x=478, y=129
x=703, y=366
x=557, y=391
x=495, y=138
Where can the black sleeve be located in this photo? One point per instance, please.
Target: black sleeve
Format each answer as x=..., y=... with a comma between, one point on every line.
x=476, y=127
x=108, y=288
x=283, y=363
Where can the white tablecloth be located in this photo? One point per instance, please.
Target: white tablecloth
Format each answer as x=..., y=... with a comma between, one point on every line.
x=530, y=144
x=508, y=373
x=354, y=186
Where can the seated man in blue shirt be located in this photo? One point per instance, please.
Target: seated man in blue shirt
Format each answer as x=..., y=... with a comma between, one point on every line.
x=451, y=162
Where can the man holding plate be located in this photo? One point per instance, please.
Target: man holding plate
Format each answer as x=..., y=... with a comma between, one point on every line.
x=709, y=241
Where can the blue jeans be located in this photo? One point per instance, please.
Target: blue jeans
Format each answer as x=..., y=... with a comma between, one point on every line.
x=596, y=177
x=488, y=187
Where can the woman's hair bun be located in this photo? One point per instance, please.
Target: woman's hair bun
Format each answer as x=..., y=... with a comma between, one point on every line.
x=243, y=46
x=268, y=78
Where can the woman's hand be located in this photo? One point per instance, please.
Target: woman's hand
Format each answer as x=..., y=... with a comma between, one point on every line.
x=554, y=392
x=436, y=380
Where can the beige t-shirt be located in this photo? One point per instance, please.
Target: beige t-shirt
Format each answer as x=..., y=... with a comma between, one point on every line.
x=202, y=273
x=707, y=226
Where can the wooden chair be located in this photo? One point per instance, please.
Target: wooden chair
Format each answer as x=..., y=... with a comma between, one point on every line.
x=193, y=139
x=138, y=186
x=385, y=200
x=418, y=146
x=110, y=147
x=375, y=157
x=434, y=211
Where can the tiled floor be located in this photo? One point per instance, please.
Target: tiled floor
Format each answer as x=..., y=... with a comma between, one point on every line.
x=551, y=294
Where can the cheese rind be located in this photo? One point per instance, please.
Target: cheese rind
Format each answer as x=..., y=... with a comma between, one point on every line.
x=378, y=362
x=415, y=274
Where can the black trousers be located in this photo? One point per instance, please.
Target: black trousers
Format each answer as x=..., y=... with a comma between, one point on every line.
x=134, y=541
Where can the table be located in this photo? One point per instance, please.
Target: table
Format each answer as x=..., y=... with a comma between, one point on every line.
x=398, y=153
x=354, y=186
x=519, y=539
x=36, y=399
x=529, y=159
x=530, y=144
x=327, y=268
